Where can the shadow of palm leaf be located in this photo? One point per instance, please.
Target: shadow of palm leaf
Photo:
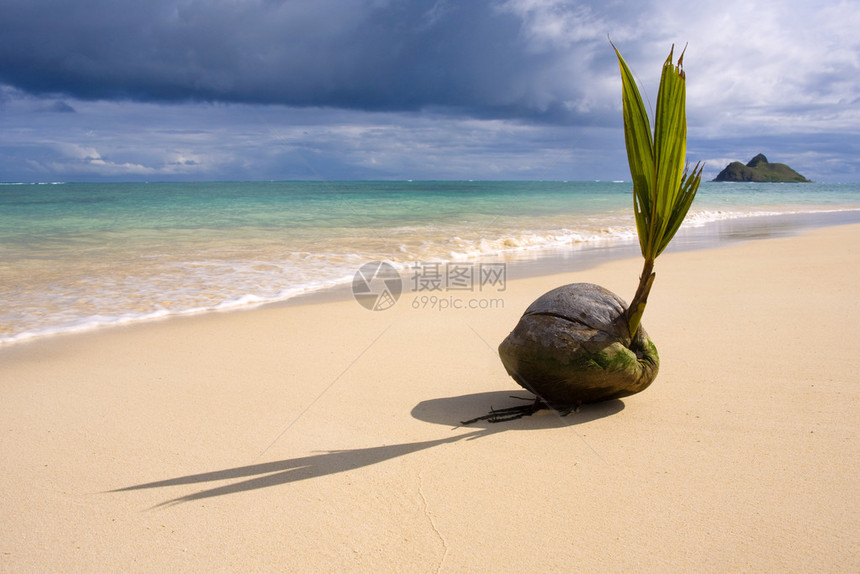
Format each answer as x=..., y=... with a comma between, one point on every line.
x=446, y=411
x=290, y=470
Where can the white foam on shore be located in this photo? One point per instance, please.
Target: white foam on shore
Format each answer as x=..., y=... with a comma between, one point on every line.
x=201, y=286
x=92, y=322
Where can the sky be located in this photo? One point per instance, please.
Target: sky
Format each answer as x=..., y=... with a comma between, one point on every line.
x=193, y=90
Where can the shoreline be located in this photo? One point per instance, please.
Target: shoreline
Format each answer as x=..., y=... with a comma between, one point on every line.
x=553, y=261
x=530, y=263
x=326, y=437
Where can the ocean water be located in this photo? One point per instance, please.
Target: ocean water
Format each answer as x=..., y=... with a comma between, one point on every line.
x=76, y=256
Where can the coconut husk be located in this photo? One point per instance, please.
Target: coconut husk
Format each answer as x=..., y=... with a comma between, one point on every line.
x=572, y=346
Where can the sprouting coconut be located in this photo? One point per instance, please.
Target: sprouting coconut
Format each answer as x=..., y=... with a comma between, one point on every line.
x=581, y=343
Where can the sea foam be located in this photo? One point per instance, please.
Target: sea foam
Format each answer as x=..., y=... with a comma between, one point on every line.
x=77, y=257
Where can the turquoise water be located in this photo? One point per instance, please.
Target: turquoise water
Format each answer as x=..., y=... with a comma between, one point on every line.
x=76, y=256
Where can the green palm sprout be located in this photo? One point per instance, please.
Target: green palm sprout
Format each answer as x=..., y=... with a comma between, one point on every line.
x=663, y=189
x=580, y=343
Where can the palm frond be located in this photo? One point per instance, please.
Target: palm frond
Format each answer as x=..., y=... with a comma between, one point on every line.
x=662, y=188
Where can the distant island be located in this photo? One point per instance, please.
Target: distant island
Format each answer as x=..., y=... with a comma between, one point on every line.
x=759, y=169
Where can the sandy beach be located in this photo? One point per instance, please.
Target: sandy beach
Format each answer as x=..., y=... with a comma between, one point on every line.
x=323, y=437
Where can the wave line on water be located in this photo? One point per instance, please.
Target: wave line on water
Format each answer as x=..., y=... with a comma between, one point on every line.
x=76, y=257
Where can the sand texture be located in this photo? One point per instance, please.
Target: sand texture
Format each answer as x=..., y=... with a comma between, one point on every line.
x=324, y=437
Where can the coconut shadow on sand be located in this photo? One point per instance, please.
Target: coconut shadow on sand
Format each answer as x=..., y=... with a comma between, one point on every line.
x=448, y=411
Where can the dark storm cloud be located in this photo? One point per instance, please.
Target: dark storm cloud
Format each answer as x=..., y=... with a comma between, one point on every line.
x=360, y=54
x=271, y=89
x=59, y=107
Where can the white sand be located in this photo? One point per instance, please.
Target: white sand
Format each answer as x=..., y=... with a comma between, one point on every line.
x=323, y=437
